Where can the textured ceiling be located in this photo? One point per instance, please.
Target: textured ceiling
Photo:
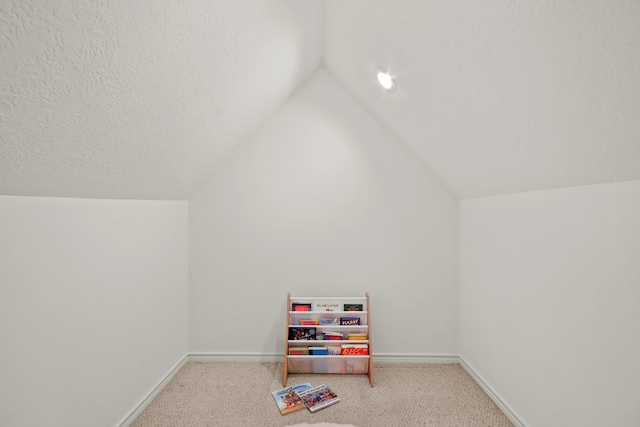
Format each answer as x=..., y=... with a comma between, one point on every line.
x=127, y=99
x=499, y=96
x=122, y=99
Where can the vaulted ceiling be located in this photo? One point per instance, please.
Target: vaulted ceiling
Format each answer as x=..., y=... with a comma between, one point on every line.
x=129, y=99
x=121, y=99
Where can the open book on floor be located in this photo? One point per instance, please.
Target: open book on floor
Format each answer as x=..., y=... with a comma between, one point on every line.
x=288, y=400
x=318, y=397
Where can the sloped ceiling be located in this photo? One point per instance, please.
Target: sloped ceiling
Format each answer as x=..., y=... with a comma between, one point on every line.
x=499, y=96
x=122, y=99
x=128, y=99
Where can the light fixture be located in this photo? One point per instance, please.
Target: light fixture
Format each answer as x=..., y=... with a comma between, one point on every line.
x=386, y=81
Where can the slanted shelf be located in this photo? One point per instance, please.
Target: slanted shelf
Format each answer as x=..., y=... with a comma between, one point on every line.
x=332, y=337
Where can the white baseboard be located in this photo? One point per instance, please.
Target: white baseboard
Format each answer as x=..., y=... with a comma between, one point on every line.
x=161, y=385
x=415, y=358
x=278, y=357
x=506, y=410
x=235, y=357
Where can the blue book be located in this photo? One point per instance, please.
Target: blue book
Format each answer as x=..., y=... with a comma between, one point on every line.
x=318, y=351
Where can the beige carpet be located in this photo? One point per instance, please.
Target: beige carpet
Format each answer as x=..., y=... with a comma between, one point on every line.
x=239, y=394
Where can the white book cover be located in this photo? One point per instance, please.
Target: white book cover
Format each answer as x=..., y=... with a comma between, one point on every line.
x=326, y=305
x=318, y=398
x=334, y=350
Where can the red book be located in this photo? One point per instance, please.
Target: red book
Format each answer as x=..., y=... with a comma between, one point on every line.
x=354, y=350
x=332, y=336
x=296, y=306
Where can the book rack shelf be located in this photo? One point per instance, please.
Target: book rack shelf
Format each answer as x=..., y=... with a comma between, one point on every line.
x=330, y=335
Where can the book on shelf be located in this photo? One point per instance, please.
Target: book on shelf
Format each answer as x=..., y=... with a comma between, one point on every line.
x=302, y=333
x=318, y=397
x=318, y=351
x=348, y=321
x=329, y=321
x=288, y=399
x=326, y=305
x=356, y=337
x=328, y=335
x=352, y=307
x=354, y=349
x=298, y=351
x=300, y=306
x=333, y=350
x=309, y=322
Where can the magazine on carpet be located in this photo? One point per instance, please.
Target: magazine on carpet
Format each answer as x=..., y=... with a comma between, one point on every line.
x=318, y=397
x=288, y=400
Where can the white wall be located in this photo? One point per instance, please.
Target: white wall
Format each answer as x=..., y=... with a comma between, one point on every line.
x=550, y=302
x=93, y=307
x=322, y=200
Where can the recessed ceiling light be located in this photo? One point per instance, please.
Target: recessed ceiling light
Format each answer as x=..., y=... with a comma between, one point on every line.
x=386, y=81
